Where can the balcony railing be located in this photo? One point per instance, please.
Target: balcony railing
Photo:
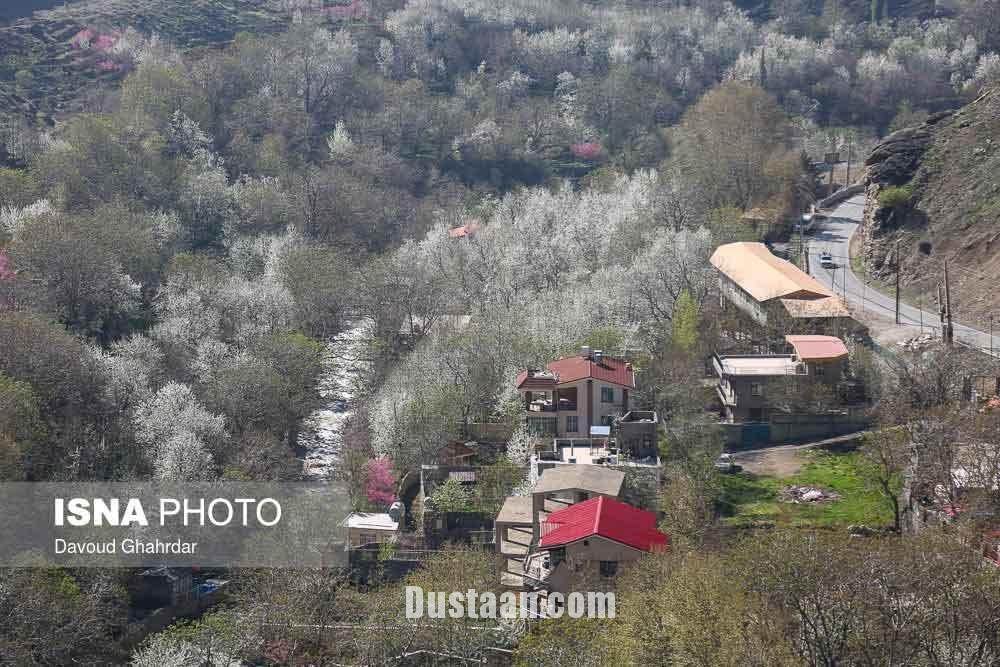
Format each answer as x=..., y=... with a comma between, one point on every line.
x=537, y=567
x=550, y=407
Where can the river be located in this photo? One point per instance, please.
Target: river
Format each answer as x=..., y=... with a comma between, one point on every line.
x=322, y=435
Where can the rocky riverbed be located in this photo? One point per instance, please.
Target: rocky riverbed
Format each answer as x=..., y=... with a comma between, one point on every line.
x=323, y=431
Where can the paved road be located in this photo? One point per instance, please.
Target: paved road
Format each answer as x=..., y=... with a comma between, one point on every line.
x=834, y=236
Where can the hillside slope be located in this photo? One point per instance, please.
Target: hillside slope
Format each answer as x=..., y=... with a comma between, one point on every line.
x=45, y=73
x=935, y=188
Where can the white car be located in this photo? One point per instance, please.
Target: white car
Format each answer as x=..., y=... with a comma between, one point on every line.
x=826, y=260
x=725, y=463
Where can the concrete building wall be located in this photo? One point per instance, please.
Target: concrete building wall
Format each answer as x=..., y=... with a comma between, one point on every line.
x=751, y=407
x=360, y=536
x=741, y=299
x=582, y=567
x=591, y=409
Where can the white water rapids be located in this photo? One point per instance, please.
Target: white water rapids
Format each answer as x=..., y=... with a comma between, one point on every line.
x=322, y=434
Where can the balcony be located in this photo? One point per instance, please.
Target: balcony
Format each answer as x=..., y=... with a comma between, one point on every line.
x=565, y=405
x=726, y=393
x=538, y=567
x=759, y=365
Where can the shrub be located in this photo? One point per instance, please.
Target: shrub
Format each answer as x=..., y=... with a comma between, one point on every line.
x=451, y=496
x=895, y=196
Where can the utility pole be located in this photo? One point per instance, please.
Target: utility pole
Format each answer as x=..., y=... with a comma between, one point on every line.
x=950, y=335
x=940, y=298
x=920, y=309
x=850, y=154
x=897, y=281
x=991, y=335
x=829, y=190
x=803, y=258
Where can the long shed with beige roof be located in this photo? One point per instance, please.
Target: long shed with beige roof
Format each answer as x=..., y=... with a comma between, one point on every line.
x=761, y=284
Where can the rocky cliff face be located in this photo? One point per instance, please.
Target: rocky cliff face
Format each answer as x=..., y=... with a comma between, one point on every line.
x=935, y=188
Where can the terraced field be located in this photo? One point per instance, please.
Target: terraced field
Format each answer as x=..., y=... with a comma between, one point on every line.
x=43, y=73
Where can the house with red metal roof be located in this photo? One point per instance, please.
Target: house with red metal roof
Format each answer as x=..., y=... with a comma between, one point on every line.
x=518, y=525
x=572, y=394
x=586, y=545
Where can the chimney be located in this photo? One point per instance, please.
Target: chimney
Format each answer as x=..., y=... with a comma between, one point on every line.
x=598, y=355
x=585, y=351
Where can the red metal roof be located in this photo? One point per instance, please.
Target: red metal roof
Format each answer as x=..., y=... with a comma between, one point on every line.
x=817, y=348
x=606, y=517
x=462, y=231
x=532, y=380
x=571, y=369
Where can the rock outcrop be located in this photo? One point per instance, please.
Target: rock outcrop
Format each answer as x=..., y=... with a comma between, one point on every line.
x=945, y=203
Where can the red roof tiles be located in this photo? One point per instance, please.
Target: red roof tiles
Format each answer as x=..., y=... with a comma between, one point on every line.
x=606, y=518
x=462, y=231
x=571, y=369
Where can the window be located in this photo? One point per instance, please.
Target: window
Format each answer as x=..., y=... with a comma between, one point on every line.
x=557, y=556
x=756, y=389
x=609, y=568
x=572, y=424
x=540, y=426
x=820, y=370
x=367, y=538
x=607, y=394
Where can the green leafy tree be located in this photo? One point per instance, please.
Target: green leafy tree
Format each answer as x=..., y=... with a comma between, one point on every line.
x=609, y=339
x=495, y=482
x=729, y=143
x=20, y=426
x=686, y=324
x=451, y=496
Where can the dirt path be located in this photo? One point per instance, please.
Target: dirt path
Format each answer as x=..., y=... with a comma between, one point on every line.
x=774, y=462
x=783, y=460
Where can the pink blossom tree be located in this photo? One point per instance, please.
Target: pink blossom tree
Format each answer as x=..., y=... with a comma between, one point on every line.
x=82, y=39
x=586, y=150
x=355, y=10
x=6, y=273
x=381, y=488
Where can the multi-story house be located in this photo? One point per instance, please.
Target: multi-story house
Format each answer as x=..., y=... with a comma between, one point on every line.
x=573, y=394
x=772, y=291
x=586, y=545
x=748, y=384
x=518, y=525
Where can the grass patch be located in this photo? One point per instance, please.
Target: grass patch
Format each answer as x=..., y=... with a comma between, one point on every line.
x=752, y=500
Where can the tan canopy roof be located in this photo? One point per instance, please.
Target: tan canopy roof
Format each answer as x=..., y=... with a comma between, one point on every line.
x=516, y=509
x=596, y=479
x=763, y=275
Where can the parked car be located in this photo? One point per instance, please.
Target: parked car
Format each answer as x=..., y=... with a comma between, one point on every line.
x=726, y=464
x=826, y=260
